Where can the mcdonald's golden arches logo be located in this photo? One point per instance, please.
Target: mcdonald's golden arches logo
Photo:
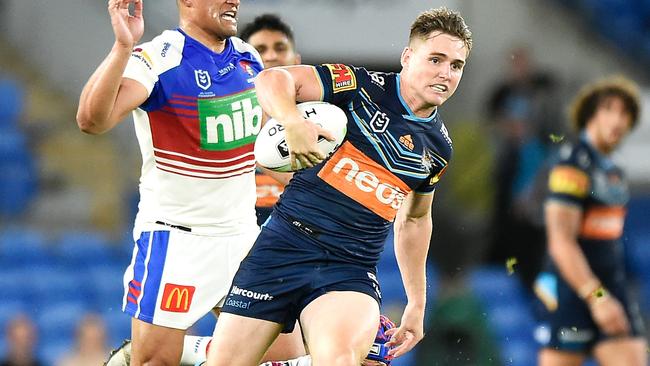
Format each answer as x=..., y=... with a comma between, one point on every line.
x=177, y=298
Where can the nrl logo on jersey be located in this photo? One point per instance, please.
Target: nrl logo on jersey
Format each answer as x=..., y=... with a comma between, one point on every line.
x=203, y=79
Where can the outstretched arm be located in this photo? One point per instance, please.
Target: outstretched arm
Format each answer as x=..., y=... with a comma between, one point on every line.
x=107, y=98
x=413, y=229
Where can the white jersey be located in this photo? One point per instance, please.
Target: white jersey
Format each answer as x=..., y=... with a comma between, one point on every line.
x=196, y=133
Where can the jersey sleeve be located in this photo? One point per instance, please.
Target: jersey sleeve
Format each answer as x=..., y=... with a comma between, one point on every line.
x=429, y=186
x=339, y=82
x=141, y=67
x=568, y=182
x=151, y=59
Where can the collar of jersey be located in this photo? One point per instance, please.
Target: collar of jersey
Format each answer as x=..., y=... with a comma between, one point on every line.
x=226, y=48
x=411, y=116
x=600, y=158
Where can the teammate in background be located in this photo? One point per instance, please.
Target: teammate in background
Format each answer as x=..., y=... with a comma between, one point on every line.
x=317, y=253
x=274, y=41
x=196, y=117
x=587, y=308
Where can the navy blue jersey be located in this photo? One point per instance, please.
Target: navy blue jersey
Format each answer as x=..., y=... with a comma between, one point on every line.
x=590, y=180
x=350, y=200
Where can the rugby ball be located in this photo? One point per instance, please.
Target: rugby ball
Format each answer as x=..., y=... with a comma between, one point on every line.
x=271, y=149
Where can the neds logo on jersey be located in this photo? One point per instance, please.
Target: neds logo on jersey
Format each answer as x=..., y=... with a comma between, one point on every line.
x=229, y=122
x=365, y=181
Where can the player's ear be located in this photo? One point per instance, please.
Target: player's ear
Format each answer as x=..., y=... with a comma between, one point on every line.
x=186, y=3
x=406, y=56
x=297, y=59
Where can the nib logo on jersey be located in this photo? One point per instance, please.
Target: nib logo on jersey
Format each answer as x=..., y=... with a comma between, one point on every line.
x=362, y=179
x=229, y=122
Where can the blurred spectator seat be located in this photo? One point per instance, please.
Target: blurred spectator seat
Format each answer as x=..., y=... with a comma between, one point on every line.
x=18, y=181
x=118, y=325
x=12, y=100
x=22, y=247
x=84, y=249
x=106, y=287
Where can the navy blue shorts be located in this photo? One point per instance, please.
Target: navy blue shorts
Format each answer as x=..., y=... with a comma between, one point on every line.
x=565, y=319
x=285, y=270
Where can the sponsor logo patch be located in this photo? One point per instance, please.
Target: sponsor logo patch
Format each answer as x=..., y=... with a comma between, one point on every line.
x=177, y=298
x=569, y=180
x=365, y=181
x=407, y=142
x=142, y=56
x=343, y=77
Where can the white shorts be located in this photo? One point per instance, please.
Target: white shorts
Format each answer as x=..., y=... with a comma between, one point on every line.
x=176, y=277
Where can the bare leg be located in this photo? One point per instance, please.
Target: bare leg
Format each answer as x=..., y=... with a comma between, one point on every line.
x=337, y=337
x=241, y=341
x=551, y=357
x=623, y=352
x=154, y=345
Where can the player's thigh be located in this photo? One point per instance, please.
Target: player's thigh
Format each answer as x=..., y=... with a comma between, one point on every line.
x=550, y=357
x=240, y=341
x=340, y=324
x=623, y=352
x=155, y=345
x=287, y=346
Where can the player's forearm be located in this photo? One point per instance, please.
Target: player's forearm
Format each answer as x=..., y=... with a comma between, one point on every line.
x=100, y=92
x=573, y=266
x=276, y=93
x=412, y=237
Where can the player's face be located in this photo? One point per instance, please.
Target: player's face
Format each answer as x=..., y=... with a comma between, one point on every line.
x=433, y=67
x=274, y=47
x=218, y=17
x=611, y=123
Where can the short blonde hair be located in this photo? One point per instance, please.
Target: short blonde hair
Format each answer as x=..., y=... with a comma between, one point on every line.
x=442, y=20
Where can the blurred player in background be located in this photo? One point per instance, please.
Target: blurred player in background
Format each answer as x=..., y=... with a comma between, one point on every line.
x=196, y=117
x=587, y=308
x=315, y=257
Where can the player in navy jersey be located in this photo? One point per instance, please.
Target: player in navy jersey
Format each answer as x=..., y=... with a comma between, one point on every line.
x=587, y=308
x=196, y=117
x=315, y=258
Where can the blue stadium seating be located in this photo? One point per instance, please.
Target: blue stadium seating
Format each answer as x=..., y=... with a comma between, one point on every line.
x=107, y=289
x=84, y=249
x=21, y=247
x=118, y=325
x=12, y=100
x=18, y=181
x=58, y=321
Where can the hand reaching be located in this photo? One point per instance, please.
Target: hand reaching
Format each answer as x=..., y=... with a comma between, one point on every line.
x=408, y=334
x=609, y=315
x=128, y=28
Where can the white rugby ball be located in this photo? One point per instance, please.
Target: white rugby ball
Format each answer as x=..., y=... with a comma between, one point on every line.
x=271, y=149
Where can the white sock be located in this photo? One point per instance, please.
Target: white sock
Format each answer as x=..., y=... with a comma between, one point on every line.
x=300, y=361
x=194, y=350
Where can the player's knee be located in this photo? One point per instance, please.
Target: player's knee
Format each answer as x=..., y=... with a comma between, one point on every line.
x=336, y=356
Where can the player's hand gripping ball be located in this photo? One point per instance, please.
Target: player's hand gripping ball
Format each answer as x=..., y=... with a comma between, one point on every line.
x=271, y=149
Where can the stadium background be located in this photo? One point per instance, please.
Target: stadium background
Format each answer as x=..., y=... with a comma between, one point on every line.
x=67, y=199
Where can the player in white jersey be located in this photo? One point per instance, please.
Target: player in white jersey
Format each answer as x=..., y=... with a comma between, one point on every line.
x=196, y=115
